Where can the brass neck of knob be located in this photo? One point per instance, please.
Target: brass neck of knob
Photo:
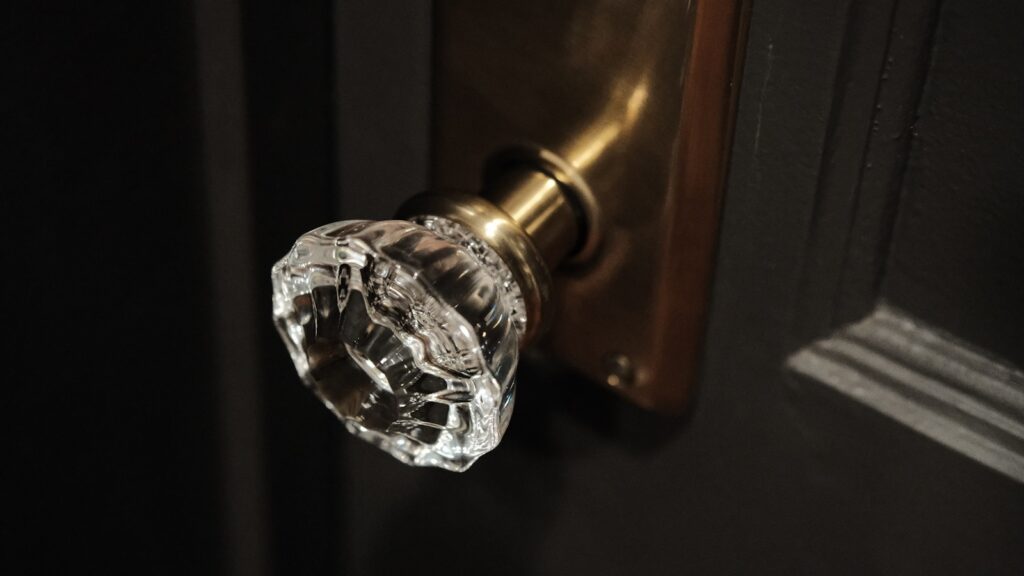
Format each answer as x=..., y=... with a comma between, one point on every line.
x=540, y=206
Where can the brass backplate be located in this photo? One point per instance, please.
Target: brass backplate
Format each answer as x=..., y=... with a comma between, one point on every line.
x=639, y=98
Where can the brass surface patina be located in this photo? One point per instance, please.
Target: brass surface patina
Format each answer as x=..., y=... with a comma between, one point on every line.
x=630, y=106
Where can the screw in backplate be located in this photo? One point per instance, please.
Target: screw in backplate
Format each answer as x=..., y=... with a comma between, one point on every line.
x=619, y=371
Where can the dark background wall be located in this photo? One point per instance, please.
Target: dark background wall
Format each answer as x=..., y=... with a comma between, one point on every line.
x=108, y=458
x=161, y=156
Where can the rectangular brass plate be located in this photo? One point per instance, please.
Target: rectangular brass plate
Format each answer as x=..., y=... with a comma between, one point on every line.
x=640, y=97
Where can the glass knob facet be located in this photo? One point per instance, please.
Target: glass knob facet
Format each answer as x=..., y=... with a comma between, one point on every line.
x=409, y=331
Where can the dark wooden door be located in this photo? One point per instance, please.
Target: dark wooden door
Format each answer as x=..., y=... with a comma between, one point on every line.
x=860, y=406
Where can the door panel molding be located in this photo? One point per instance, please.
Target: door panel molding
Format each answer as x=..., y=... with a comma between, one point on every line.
x=927, y=380
x=878, y=84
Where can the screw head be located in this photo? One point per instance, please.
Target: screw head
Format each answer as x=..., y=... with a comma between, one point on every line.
x=619, y=371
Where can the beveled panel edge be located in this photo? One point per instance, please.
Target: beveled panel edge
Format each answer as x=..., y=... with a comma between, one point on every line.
x=926, y=380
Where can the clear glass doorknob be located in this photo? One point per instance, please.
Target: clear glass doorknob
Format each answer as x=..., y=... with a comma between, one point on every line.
x=409, y=331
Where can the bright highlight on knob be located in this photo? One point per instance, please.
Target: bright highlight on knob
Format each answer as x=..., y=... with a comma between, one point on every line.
x=408, y=331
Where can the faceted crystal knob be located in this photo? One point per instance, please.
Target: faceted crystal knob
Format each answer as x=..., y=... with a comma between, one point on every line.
x=408, y=331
